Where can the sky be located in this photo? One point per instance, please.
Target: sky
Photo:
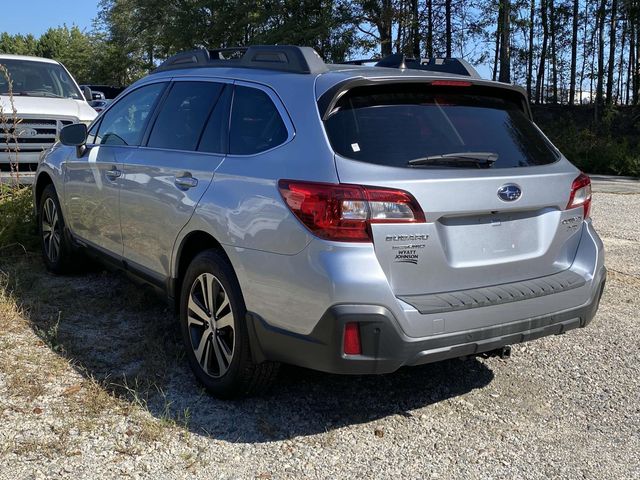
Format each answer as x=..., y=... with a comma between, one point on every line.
x=37, y=16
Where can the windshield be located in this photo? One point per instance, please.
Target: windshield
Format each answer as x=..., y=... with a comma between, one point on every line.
x=38, y=79
x=419, y=126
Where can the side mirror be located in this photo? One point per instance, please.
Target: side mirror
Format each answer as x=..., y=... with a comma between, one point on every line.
x=88, y=95
x=74, y=135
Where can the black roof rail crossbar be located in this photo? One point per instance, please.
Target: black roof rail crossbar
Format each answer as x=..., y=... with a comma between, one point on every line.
x=284, y=58
x=456, y=66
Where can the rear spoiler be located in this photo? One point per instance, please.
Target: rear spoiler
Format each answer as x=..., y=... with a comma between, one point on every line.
x=328, y=100
x=455, y=66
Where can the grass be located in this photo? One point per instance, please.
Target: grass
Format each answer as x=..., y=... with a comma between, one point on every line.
x=44, y=321
x=17, y=222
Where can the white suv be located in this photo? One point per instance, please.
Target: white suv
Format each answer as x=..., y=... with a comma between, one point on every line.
x=46, y=98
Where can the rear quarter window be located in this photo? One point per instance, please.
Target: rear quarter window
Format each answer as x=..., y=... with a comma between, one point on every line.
x=256, y=124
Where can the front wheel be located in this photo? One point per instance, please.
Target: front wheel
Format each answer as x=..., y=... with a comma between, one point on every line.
x=56, y=246
x=212, y=321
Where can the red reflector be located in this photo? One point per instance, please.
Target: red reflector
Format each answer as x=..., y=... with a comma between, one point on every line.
x=352, y=339
x=450, y=83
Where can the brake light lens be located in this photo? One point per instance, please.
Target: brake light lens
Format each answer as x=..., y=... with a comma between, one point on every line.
x=352, y=345
x=450, y=83
x=344, y=212
x=581, y=194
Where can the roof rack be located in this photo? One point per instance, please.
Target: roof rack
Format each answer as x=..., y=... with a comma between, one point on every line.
x=456, y=66
x=283, y=58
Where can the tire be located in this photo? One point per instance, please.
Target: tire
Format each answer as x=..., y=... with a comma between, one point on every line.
x=57, y=251
x=214, y=330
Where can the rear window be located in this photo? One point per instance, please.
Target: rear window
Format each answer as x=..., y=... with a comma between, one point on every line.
x=435, y=127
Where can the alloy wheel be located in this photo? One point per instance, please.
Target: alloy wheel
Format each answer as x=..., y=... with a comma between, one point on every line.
x=51, y=231
x=211, y=325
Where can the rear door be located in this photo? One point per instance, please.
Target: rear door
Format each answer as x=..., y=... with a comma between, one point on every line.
x=164, y=180
x=493, y=189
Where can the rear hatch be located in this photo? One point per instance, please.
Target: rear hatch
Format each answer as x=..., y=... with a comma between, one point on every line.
x=493, y=190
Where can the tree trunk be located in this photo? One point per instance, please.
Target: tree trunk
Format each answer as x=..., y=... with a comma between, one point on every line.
x=429, y=46
x=496, y=53
x=530, y=54
x=636, y=58
x=623, y=39
x=632, y=51
x=505, y=54
x=554, y=57
x=574, y=53
x=612, y=51
x=447, y=15
x=385, y=28
x=543, y=53
x=415, y=29
x=584, y=51
x=600, y=82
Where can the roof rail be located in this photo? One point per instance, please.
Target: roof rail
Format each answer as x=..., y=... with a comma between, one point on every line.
x=283, y=58
x=456, y=66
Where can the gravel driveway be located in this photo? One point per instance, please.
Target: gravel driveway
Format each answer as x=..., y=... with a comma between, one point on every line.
x=93, y=384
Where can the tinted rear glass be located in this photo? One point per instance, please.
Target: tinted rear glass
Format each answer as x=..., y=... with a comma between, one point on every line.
x=393, y=124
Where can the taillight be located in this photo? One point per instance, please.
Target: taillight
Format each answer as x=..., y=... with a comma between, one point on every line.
x=581, y=194
x=351, y=344
x=344, y=212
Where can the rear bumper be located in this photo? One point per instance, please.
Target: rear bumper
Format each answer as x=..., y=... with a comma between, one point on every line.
x=385, y=347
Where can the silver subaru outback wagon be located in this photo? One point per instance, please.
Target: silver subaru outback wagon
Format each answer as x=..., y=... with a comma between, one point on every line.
x=345, y=218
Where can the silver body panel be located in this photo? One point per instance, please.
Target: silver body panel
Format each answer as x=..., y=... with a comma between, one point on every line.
x=289, y=277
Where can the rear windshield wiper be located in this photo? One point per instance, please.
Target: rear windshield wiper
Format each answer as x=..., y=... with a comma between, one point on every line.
x=478, y=159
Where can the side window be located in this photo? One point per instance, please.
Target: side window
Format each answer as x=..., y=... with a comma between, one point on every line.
x=256, y=124
x=215, y=138
x=125, y=122
x=183, y=115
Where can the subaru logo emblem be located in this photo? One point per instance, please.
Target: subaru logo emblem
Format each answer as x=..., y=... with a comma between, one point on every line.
x=509, y=192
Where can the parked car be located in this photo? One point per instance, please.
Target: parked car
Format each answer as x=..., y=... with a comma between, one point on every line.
x=343, y=218
x=99, y=105
x=108, y=92
x=46, y=98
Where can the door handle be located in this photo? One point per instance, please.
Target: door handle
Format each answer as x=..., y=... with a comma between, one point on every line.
x=113, y=173
x=185, y=181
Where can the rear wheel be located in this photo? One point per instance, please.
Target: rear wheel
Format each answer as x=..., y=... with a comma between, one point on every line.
x=212, y=321
x=56, y=247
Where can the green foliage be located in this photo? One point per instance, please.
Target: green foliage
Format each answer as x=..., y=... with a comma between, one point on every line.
x=73, y=48
x=610, y=148
x=77, y=50
x=17, y=220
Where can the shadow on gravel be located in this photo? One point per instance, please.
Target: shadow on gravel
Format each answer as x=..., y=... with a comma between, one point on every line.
x=121, y=335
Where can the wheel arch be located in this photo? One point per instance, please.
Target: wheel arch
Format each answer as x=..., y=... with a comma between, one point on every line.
x=191, y=245
x=42, y=181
